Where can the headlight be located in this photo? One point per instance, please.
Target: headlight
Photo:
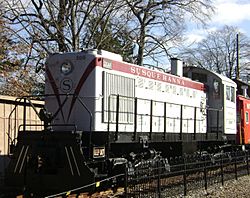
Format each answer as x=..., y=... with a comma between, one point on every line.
x=66, y=68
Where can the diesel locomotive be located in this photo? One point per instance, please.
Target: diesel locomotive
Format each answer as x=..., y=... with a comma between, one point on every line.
x=102, y=113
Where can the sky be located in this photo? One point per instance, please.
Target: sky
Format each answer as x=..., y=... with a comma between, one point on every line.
x=227, y=12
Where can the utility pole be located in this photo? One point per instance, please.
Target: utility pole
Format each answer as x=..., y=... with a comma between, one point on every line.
x=237, y=57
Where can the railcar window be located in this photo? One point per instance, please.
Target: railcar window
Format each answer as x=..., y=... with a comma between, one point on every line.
x=232, y=94
x=247, y=118
x=228, y=92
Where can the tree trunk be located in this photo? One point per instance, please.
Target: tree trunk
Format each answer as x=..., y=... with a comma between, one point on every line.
x=60, y=28
x=141, y=47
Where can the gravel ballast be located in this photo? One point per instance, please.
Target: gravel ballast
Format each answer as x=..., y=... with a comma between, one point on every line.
x=231, y=188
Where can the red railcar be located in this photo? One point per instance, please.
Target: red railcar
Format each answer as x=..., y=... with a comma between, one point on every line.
x=243, y=125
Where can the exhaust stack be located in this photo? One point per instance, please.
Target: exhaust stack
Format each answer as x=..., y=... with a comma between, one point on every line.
x=176, y=67
x=244, y=90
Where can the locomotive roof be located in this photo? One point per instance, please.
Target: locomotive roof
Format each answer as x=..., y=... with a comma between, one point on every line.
x=206, y=71
x=119, y=65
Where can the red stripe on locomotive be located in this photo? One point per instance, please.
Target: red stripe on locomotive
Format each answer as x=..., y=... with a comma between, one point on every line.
x=154, y=75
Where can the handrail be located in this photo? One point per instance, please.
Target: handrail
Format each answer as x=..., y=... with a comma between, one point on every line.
x=57, y=125
x=90, y=123
x=27, y=101
x=8, y=133
x=17, y=102
x=116, y=112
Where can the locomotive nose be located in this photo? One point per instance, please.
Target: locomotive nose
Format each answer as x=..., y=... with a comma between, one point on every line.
x=48, y=162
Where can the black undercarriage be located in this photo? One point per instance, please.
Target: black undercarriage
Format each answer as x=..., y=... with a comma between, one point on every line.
x=57, y=161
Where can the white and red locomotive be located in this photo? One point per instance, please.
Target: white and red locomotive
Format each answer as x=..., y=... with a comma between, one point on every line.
x=127, y=101
x=101, y=111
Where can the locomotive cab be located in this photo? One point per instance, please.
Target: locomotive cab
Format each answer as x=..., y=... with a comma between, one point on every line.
x=221, y=104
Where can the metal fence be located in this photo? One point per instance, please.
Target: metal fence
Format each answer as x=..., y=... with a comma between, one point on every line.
x=153, y=179
x=186, y=173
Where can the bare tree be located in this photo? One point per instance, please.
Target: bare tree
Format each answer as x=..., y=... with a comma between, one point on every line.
x=64, y=25
x=14, y=78
x=58, y=25
x=158, y=24
x=107, y=29
x=218, y=52
x=48, y=26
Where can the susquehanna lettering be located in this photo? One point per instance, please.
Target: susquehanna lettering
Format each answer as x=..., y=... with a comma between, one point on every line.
x=156, y=75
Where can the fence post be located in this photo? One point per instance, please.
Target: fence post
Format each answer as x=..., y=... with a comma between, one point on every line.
x=221, y=170
x=151, y=119
x=205, y=173
x=158, y=180
x=185, y=177
x=218, y=120
x=235, y=165
x=247, y=163
x=195, y=112
x=135, y=118
x=181, y=121
x=126, y=181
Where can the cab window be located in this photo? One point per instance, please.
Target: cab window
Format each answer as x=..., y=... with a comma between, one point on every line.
x=230, y=93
